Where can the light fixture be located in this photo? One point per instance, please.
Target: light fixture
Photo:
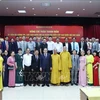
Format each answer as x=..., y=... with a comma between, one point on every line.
x=30, y=0
x=32, y=8
x=34, y=14
x=56, y=14
x=6, y=7
x=21, y=11
x=90, y=1
x=69, y=12
x=46, y=4
x=58, y=8
x=24, y=7
x=98, y=15
x=78, y=15
x=83, y=9
x=61, y=0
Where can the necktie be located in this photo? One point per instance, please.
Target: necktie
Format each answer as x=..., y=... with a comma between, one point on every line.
x=74, y=58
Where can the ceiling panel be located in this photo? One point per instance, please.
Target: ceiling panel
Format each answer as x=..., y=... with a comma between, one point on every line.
x=66, y=5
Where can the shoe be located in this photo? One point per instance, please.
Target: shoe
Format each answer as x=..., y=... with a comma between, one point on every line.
x=71, y=83
x=30, y=84
x=76, y=84
x=25, y=84
x=34, y=84
x=43, y=85
x=38, y=84
x=47, y=85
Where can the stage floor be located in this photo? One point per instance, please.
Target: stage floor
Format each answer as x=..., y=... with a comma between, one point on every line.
x=42, y=93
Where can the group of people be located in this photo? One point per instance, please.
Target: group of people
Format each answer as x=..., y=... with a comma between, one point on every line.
x=40, y=61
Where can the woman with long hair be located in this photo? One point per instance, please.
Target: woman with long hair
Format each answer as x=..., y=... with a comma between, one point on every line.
x=89, y=65
x=82, y=69
x=11, y=68
x=95, y=69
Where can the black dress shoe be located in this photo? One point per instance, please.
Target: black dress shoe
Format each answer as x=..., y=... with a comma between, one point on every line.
x=30, y=84
x=76, y=84
x=43, y=85
x=38, y=84
x=47, y=85
x=34, y=84
x=25, y=84
x=71, y=83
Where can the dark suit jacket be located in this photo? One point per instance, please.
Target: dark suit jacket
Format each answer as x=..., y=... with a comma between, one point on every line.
x=38, y=46
x=45, y=62
x=69, y=46
x=16, y=47
x=35, y=62
x=84, y=46
x=12, y=47
x=42, y=46
x=3, y=44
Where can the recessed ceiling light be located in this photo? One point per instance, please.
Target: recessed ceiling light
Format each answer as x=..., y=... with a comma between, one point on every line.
x=6, y=7
x=83, y=9
x=21, y=11
x=78, y=15
x=61, y=0
x=58, y=8
x=46, y=4
x=32, y=8
x=56, y=14
x=69, y=12
x=24, y=7
x=98, y=15
x=30, y=0
x=90, y=1
x=34, y=14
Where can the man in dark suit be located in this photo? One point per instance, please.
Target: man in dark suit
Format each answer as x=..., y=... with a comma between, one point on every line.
x=17, y=44
x=82, y=45
x=38, y=45
x=12, y=46
x=68, y=45
x=45, y=67
x=43, y=45
x=5, y=44
x=35, y=68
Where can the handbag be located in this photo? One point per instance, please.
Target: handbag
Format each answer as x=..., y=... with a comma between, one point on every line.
x=10, y=67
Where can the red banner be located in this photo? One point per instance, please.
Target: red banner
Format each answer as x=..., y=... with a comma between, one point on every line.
x=38, y=31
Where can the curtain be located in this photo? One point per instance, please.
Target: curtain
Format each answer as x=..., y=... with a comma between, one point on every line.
x=1, y=31
x=91, y=31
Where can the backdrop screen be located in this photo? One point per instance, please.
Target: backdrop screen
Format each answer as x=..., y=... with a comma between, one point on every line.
x=38, y=31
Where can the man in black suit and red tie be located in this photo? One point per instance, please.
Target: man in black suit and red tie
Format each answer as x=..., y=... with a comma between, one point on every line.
x=45, y=67
x=67, y=44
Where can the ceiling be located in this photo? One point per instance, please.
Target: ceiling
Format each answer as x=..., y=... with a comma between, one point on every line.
x=81, y=8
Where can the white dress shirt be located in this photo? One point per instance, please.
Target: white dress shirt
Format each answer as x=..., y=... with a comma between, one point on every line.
x=27, y=59
x=50, y=45
x=66, y=46
x=99, y=47
x=89, y=45
x=58, y=46
x=18, y=44
x=75, y=45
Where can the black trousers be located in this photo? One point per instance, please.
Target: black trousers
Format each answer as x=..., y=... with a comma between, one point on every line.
x=46, y=76
x=35, y=76
x=50, y=52
x=27, y=75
